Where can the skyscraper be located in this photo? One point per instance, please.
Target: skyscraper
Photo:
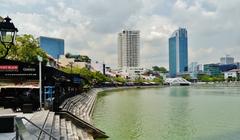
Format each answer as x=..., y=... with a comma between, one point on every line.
x=52, y=46
x=178, y=52
x=227, y=60
x=128, y=48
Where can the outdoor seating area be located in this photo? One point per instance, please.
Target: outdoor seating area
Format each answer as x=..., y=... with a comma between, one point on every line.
x=59, y=127
x=53, y=124
x=81, y=106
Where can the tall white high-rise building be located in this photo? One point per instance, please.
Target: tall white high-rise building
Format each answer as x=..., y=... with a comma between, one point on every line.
x=128, y=48
x=227, y=60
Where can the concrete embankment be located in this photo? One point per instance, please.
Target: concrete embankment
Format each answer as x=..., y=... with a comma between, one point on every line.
x=79, y=110
x=219, y=84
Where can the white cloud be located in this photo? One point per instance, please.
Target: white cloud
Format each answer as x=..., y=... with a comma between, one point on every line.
x=24, y=2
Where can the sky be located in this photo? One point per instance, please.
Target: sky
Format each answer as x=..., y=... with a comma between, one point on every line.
x=90, y=27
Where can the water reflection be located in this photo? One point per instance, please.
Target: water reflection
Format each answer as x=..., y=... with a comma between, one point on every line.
x=128, y=123
x=222, y=136
x=179, y=91
x=179, y=125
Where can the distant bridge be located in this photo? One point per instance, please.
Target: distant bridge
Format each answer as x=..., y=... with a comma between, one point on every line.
x=177, y=81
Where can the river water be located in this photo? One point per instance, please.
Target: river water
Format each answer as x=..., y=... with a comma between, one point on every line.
x=171, y=113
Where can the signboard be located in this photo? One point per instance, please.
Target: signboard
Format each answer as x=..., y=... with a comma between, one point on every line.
x=18, y=70
x=9, y=68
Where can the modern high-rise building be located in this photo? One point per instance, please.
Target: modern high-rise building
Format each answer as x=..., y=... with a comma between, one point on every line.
x=227, y=60
x=178, y=52
x=128, y=48
x=193, y=67
x=52, y=46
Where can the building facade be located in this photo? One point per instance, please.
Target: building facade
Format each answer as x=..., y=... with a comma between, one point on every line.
x=52, y=46
x=212, y=69
x=200, y=68
x=178, y=52
x=193, y=67
x=75, y=61
x=227, y=60
x=227, y=67
x=232, y=74
x=132, y=72
x=237, y=64
x=129, y=48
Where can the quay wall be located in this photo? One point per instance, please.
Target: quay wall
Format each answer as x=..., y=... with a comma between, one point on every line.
x=219, y=84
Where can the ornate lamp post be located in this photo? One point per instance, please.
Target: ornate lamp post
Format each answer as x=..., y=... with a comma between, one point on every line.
x=71, y=65
x=7, y=35
x=40, y=59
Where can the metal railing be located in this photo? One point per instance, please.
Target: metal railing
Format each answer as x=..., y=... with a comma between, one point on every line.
x=23, y=134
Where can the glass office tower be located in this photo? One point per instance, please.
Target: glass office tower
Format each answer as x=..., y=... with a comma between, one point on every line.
x=178, y=52
x=52, y=46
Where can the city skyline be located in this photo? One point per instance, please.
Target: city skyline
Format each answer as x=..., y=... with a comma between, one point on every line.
x=90, y=27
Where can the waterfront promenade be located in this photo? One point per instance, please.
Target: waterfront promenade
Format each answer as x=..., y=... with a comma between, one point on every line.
x=76, y=126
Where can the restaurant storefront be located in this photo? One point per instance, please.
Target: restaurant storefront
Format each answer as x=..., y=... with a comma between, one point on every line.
x=19, y=85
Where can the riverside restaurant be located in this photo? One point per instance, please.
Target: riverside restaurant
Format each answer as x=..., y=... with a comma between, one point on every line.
x=19, y=86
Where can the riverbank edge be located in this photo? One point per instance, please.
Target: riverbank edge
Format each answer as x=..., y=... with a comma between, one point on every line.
x=221, y=84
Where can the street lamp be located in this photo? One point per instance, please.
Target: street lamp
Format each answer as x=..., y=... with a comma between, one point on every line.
x=40, y=59
x=7, y=34
x=71, y=65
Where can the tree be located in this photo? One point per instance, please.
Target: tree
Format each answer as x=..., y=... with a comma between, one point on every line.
x=158, y=80
x=119, y=79
x=100, y=78
x=159, y=69
x=204, y=78
x=26, y=50
x=140, y=80
x=93, y=77
x=208, y=78
x=231, y=79
x=219, y=77
x=86, y=73
x=67, y=55
x=78, y=58
x=187, y=77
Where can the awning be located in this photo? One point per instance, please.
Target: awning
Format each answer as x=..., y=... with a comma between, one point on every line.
x=20, y=86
